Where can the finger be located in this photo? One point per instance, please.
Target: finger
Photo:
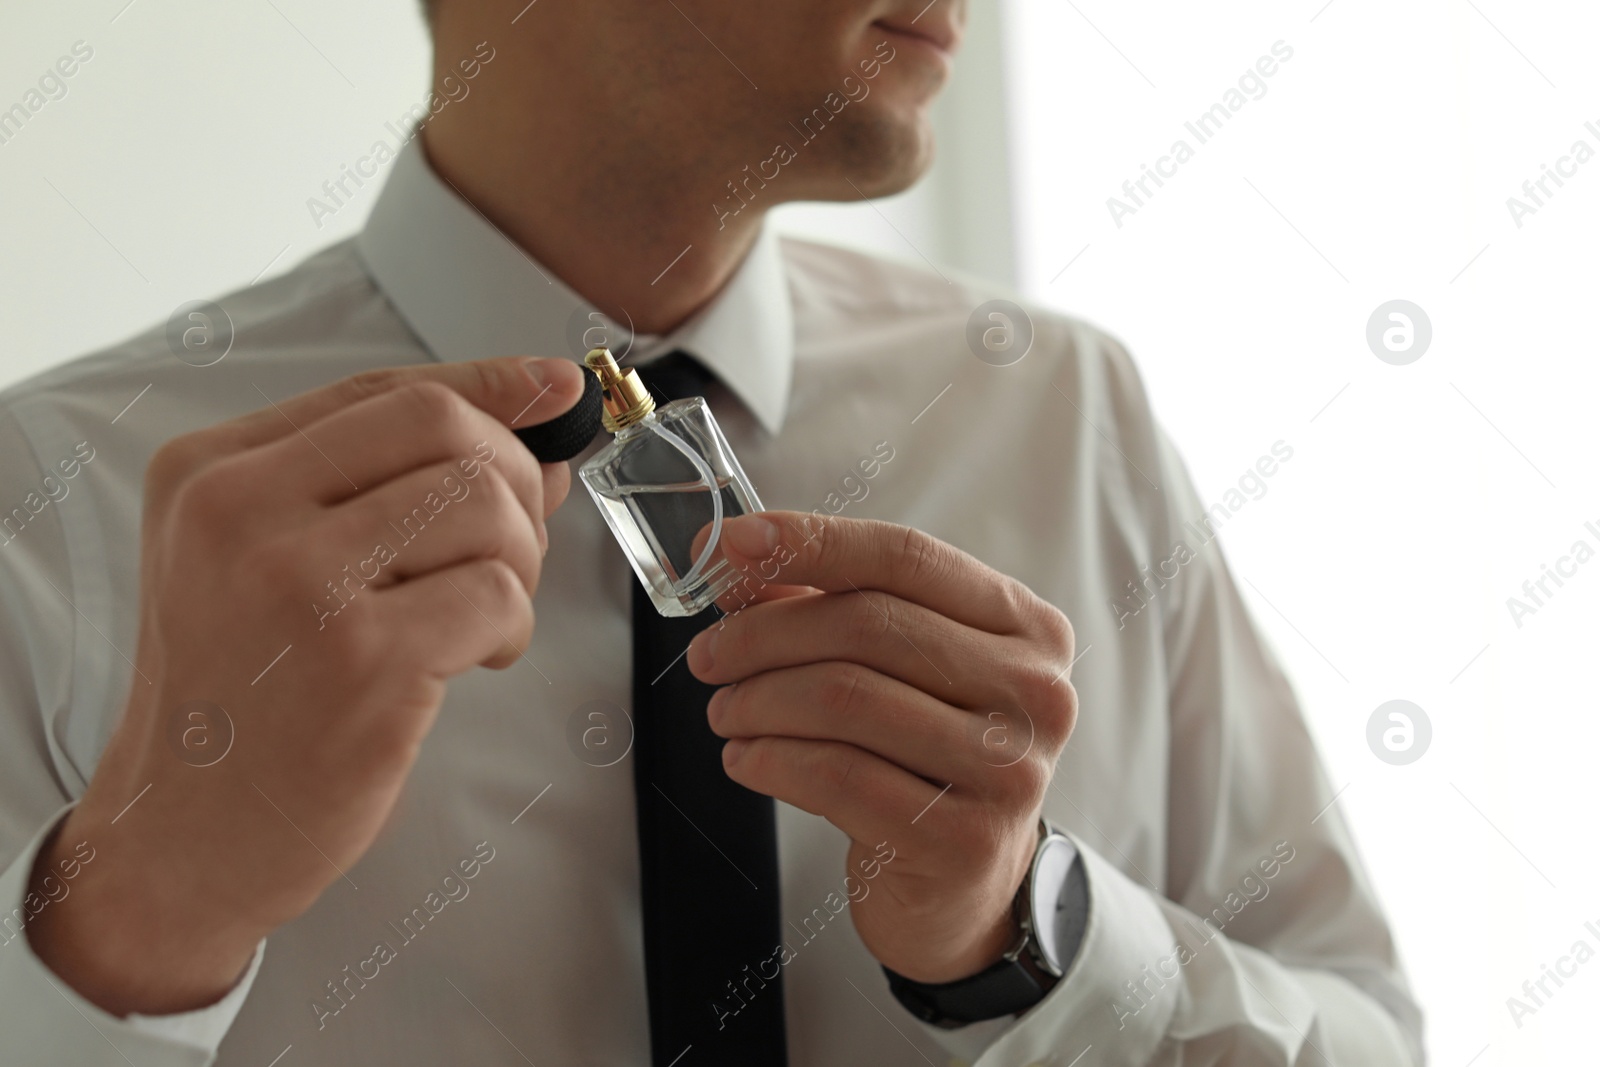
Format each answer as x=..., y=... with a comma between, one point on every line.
x=750, y=590
x=753, y=584
x=748, y=593
x=556, y=482
x=453, y=620
x=844, y=555
x=849, y=703
x=401, y=536
x=360, y=447
x=955, y=663
x=514, y=390
x=864, y=795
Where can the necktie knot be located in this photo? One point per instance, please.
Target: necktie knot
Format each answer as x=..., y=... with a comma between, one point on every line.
x=675, y=376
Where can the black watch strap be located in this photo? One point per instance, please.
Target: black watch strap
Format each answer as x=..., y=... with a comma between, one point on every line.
x=1010, y=986
x=1006, y=988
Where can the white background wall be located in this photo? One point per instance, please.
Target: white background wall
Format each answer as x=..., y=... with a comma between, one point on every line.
x=1420, y=497
x=1376, y=167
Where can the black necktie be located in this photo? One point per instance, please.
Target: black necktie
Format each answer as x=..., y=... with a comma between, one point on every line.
x=708, y=849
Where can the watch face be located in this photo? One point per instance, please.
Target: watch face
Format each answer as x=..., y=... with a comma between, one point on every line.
x=1048, y=897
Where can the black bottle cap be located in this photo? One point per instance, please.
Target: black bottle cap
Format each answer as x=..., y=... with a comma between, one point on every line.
x=569, y=433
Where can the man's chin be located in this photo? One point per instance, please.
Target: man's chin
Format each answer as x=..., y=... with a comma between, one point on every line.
x=882, y=156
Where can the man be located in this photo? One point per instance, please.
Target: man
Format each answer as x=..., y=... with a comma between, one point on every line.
x=259, y=805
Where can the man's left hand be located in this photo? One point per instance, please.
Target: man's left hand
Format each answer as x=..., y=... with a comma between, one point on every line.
x=910, y=695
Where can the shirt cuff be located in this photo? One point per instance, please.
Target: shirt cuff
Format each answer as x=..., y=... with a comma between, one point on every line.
x=47, y=1022
x=967, y=1043
x=1126, y=932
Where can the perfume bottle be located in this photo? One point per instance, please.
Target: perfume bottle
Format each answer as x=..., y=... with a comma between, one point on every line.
x=667, y=476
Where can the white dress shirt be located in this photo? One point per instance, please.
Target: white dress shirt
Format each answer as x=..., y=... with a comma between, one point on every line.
x=1190, y=787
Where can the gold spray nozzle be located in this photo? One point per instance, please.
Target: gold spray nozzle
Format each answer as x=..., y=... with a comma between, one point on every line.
x=624, y=396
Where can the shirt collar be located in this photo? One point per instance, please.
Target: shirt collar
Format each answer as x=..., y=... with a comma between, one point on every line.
x=469, y=293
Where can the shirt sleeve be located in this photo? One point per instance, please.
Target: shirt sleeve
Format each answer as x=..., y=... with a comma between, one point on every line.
x=46, y=737
x=46, y=1022
x=1266, y=945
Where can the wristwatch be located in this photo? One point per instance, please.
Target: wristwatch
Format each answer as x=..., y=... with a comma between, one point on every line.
x=1051, y=910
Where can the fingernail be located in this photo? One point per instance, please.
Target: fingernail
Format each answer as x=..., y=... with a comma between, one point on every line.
x=714, y=706
x=751, y=535
x=732, y=751
x=703, y=651
x=545, y=372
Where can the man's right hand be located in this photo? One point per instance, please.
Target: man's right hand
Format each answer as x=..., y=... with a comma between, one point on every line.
x=248, y=529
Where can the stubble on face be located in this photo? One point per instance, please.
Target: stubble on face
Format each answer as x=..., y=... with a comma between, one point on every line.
x=702, y=99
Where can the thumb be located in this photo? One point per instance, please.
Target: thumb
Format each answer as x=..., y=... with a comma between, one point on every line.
x=516, y=390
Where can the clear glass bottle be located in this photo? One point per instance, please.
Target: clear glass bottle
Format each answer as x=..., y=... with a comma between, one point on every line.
x=654, y=484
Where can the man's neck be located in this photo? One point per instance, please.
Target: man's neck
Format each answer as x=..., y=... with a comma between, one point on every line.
x=627, y=234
